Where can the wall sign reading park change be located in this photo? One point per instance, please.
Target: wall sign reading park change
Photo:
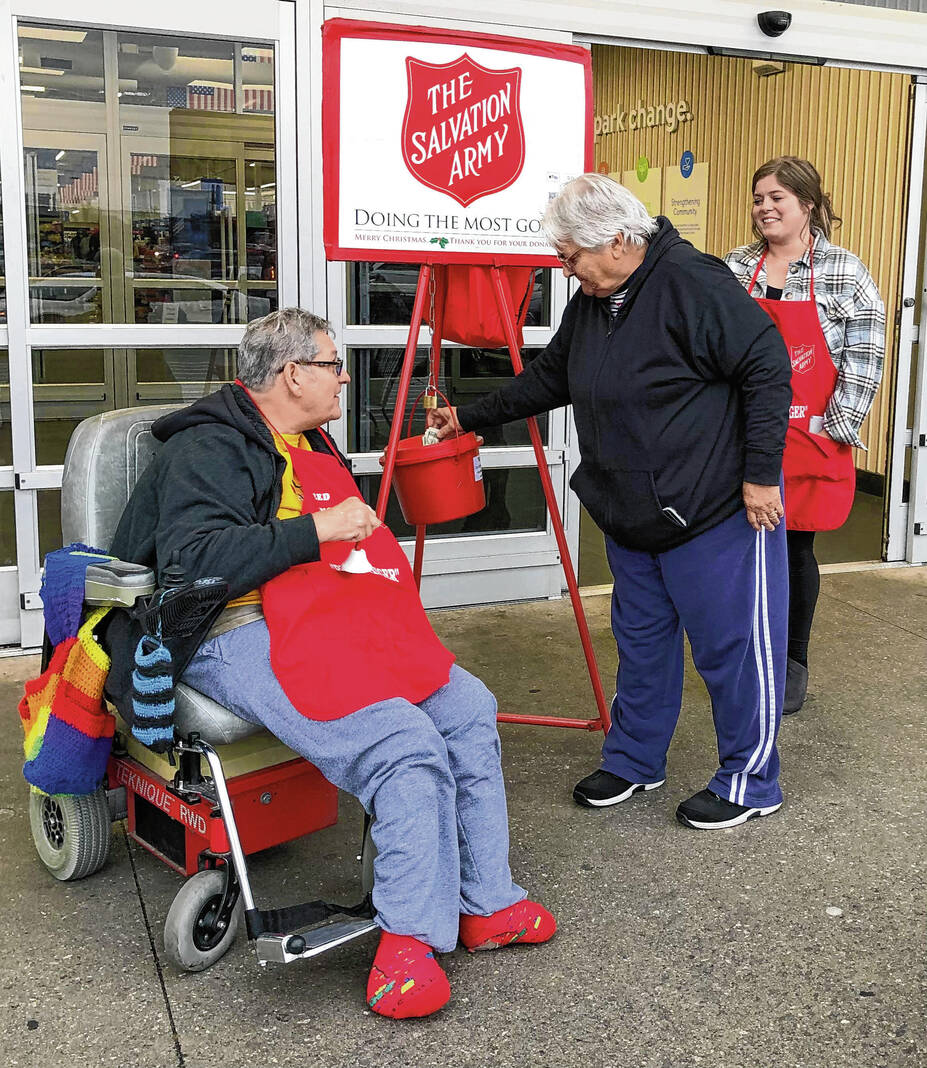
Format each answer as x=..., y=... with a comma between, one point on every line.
x=444, y=146
x=670, y=114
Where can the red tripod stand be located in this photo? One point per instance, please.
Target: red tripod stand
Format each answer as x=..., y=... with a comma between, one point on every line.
x=505, y=312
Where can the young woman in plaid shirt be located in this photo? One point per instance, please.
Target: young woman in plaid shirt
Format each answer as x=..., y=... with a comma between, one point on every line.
x=834, y=310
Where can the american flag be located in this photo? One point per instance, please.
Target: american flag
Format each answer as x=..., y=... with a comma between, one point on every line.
x=140, y=162
x=79, y=190
x=255, y=98
x=201, y=98
x=259, y=99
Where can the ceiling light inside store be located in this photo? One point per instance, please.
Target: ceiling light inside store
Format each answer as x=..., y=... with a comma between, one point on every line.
x=165, y=56
x=32, y=88
x=49, y=33
x=53, y=71
x=211, y=84
x=60, y=154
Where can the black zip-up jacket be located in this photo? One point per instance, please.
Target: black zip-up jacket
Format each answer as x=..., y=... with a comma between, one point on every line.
x=677, y=401
x=211, y=493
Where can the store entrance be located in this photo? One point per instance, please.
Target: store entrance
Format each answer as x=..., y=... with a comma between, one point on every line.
x=149, y=194
x=686, y=131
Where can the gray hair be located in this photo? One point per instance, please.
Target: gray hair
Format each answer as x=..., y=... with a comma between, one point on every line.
x=592, y=209
x=269, y=342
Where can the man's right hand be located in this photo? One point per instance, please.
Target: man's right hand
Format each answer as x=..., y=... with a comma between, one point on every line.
x=351, y=520
x=444, y=420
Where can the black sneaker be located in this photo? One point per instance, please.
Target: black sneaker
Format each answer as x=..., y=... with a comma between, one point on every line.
x=796, y=686
x=705, y=811
x=601, y=789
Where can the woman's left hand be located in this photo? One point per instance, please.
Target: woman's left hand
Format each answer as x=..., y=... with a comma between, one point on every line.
x=764, y=506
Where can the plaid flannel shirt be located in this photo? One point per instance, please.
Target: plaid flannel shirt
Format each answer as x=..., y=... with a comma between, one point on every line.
x=852, y=318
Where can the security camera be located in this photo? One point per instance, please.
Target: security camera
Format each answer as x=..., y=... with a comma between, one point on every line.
x=774, y=23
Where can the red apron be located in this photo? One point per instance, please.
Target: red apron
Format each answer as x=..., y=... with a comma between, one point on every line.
x=341, y=642
x=819, y=474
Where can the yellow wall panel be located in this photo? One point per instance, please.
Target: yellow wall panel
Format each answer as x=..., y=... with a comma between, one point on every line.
x=853, y=125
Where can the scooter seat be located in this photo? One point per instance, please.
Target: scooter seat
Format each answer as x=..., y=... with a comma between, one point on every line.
x=215, y=724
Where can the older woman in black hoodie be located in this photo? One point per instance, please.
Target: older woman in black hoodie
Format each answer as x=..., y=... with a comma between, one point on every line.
x=680, y=393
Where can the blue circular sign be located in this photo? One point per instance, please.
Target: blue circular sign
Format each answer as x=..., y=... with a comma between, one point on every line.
x=686, y=163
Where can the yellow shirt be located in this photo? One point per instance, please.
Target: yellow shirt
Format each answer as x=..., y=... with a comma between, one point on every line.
x=291, y=496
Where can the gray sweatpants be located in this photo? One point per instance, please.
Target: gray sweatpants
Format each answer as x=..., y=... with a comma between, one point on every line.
x=430, y=773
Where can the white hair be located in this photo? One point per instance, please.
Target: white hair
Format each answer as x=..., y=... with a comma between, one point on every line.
x=269, y=342
x=592, y=209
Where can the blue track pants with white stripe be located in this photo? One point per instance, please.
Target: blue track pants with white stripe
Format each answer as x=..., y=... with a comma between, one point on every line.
x=728, y=590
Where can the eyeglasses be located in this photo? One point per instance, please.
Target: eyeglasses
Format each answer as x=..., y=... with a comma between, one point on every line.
x=570, y=261
x=337, y=364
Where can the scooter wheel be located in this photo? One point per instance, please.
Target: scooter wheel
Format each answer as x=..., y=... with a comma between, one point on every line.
x=71, y=834
x=193, y=937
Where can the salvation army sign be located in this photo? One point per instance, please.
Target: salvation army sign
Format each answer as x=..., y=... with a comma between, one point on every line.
x=476, y=149
x=445, y=146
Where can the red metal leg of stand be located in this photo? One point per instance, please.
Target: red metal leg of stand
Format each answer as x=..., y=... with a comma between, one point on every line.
x=604, y=719
x=549, y=721
x=439, y=273
x=408, y=363
x=419, y=554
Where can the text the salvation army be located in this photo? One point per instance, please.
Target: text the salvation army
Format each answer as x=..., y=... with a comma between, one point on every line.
x=463, y=124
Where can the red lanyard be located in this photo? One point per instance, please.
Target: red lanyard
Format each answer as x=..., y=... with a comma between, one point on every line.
x=328, y=441
x=763, y=260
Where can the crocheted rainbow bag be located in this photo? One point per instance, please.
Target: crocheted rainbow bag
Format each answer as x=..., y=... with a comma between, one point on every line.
x=62, y=589
x=68, y=732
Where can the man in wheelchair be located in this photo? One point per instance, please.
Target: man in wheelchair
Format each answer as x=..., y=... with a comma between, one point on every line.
x=344, y=668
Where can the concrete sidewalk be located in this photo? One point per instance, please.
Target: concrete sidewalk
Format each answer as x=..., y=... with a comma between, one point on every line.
x=793, y=941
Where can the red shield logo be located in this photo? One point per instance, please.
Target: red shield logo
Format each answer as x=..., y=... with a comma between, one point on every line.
x=802, y=358
x=462, y=132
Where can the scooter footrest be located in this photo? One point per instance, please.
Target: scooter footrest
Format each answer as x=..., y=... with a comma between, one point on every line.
x=311, y=941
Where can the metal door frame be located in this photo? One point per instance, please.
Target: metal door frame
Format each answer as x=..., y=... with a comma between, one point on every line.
x=911, y=520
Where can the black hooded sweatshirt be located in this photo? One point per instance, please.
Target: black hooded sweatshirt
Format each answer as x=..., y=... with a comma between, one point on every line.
x=677, y=401
x=211, y=493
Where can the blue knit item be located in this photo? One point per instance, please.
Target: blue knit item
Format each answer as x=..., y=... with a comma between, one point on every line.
x=62, y=589
x=153, y=694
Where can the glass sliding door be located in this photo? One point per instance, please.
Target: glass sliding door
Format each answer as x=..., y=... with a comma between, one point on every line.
x=507, y=551
x=201, y=231
x=148, y=175
x=70, y=280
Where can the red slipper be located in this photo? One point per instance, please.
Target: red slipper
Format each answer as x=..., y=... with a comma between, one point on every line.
x=523, y=922
x=406, y=979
